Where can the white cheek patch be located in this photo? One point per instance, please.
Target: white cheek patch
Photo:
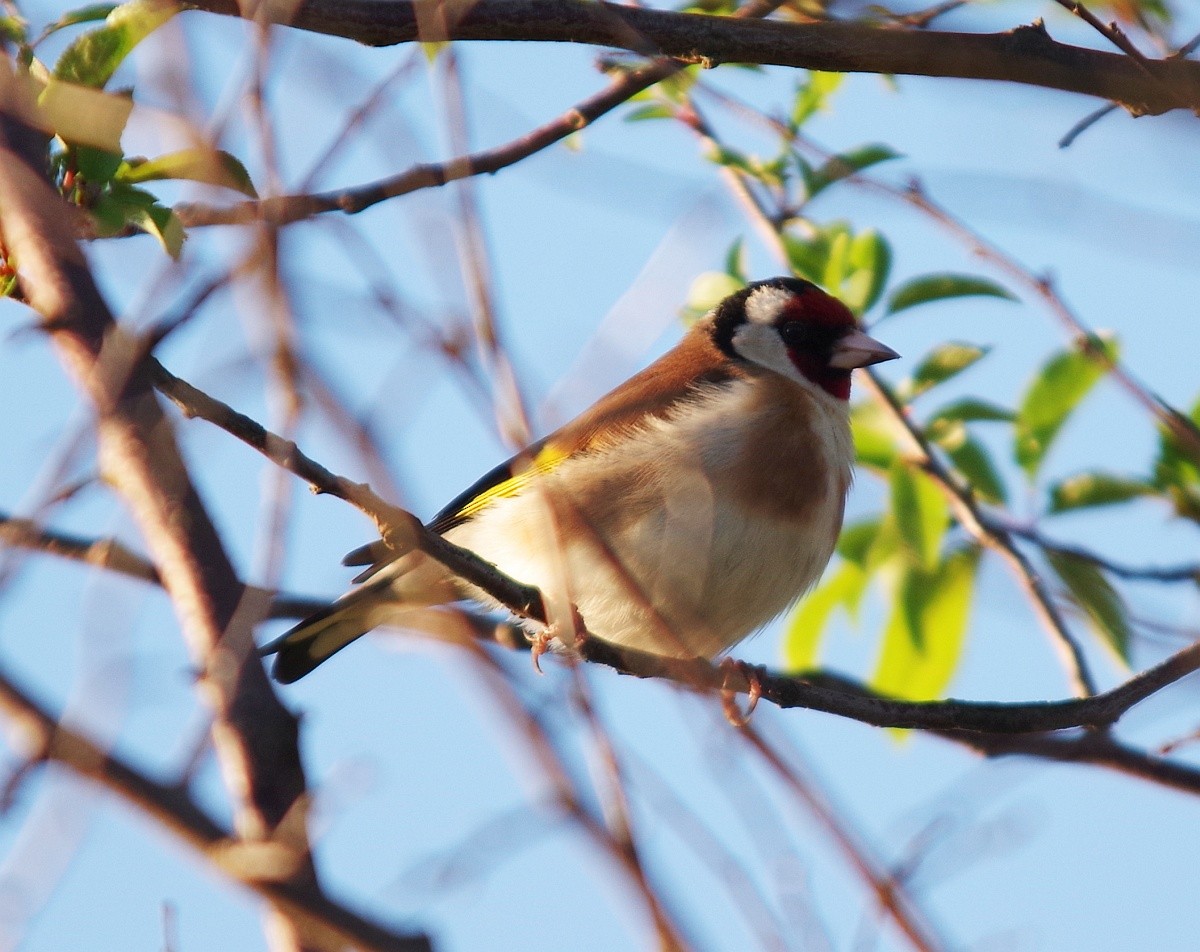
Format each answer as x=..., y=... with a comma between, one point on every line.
x=766, y=304
x=762, y=345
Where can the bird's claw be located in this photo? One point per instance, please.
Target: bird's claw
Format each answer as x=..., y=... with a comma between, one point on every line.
x=542, y=641
x=729, y=705
x=539, y=646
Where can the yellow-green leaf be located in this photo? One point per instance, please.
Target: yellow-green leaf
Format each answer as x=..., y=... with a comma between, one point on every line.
x=90, y=14
x=197, y=165
x=83, y=116
x=941, y=287
x=707, y=291
x=92, y=58
x=920, y=512
x=940, y=364
x=802, y=637
x=1052, y=396
x=813, y=95
x=925, y=634
x=874, y=436
x=1094, y=489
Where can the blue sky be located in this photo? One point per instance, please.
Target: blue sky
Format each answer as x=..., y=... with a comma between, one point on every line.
x=428, y=804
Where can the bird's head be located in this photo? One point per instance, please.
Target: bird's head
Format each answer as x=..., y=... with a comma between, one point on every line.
x=792, y=327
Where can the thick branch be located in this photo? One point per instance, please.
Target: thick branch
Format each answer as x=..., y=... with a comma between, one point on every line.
x=1026, y=55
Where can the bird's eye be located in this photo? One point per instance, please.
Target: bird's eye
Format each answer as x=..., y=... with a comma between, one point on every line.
x=796, y=334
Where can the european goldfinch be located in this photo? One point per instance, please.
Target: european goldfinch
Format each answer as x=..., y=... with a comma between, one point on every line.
x=681, y=512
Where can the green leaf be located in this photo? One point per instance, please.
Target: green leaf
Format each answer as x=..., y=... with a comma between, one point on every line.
x=122, y=207
x=1051, y=398
x=97, y=166
x=940, y=365
x=89, y=14
x=975, y=464
x=868, y=261
x=1095, y=489
x=197, y=165
x=735, y=262
x=164, y=225
x=12, y=30
x=920, y=512
x=870, y=544
x=854, y=544
x=844, y=164
x=813, y=95
x=651, y=111
x=1102, y=603
x=92, y=59
x=941, y=287
x=810, y=256
x=1177, y=471
x=874, y=436
x=802, y=636
x=707, y=291
x=925, y=634
x=971, y=410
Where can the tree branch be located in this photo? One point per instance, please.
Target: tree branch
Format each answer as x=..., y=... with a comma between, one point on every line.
x=1026, y=55
x=326, y=923
x=254, y=735
x=284, y=209
x=109, y=553
x=819, y=692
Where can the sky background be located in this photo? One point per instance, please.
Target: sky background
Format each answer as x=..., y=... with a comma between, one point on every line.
x=428, y=805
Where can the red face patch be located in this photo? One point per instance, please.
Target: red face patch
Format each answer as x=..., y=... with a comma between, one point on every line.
x=817, y=307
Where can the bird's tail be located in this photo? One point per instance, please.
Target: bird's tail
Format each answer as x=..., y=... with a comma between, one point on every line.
x=300, y=649
x=404, y=584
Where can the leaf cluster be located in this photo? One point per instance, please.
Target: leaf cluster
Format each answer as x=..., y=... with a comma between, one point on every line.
x=71, y=102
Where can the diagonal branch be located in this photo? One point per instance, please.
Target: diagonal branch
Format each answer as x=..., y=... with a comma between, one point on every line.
x=819, y=692
x=284, y=209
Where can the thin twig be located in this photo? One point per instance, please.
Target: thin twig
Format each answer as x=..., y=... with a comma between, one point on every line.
x=328, y=924
x=290, y=208
x=960, y=498
x=1111, y=32
x=889, y=894
x=1134, y=573
x=989, y=533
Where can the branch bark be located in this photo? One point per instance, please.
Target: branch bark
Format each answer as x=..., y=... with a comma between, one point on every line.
x=1026, y=55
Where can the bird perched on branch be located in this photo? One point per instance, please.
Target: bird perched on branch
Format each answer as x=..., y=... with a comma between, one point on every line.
x=678, y=514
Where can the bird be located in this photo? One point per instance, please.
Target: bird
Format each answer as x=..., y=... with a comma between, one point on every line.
x=677, y=515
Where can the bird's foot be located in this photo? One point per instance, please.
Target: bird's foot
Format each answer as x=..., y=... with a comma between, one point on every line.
x=547, y=640
x=539, y=646
x=729, y=705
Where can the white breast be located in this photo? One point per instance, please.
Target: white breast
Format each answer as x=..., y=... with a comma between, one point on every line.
x=647, y=539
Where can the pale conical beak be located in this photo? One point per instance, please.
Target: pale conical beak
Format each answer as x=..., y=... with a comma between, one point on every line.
x=856, y=349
